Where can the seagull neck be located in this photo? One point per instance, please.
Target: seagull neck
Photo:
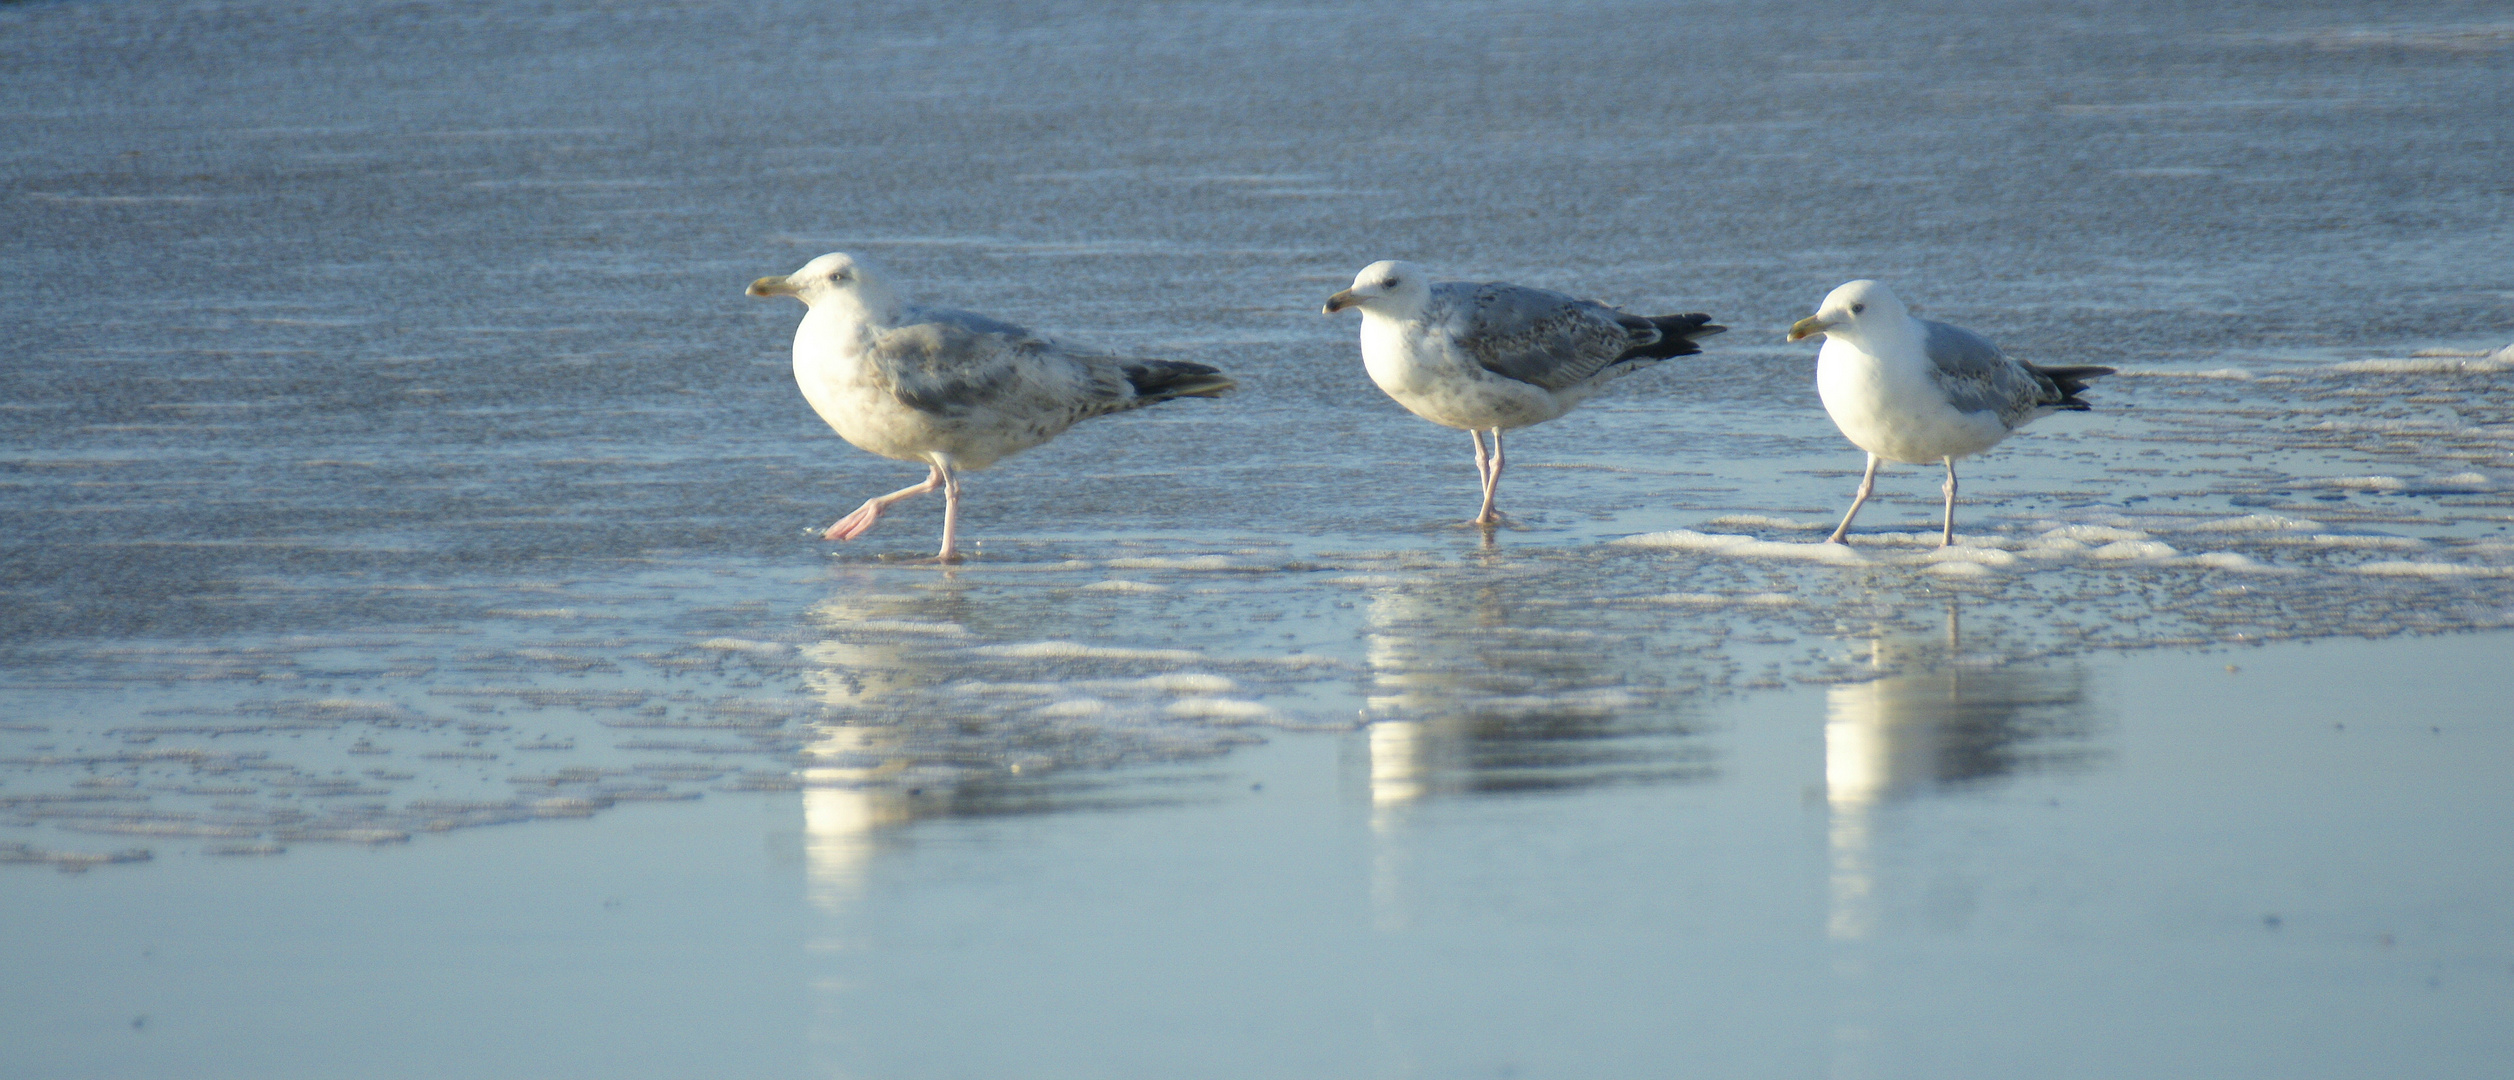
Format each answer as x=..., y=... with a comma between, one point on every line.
x=864, y=312
x=1882, y=335
x=1412, y=313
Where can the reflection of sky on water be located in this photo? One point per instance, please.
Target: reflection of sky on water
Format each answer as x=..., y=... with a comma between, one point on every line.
x=1476, y=685
x=1937, y=720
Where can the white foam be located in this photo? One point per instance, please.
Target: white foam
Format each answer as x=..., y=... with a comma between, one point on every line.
x=1187, y=682
x=2226, y=560
x=1294, y=660
x=2060, y=547
x=756, y=648
x=2135, y=549
x=1769, y=599
x=2469, y=481
x=908, y=626
x=1120, y=585
x=1036, y=689
x=1076, y=707
x=2092, y=534
x=1970, y=555
x=1692, y=598
x=2408, y=568
x=2346, y=540
x=1743, y=547
x=1765, y=521
x=1070, y=650
x=2256, y=523
x=2501, y=360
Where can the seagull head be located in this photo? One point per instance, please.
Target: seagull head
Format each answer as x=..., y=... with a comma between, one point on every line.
x=848, y=280
x=1387, y=287
x=1856, y=306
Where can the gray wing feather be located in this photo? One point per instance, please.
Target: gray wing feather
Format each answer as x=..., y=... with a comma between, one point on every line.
x=1977, y=377
x=955, y=364
x=1538, y=336
x=966, y=320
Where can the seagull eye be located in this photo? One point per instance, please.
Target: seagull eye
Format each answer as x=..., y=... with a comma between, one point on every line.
x=1857, y=308
x=1388, y=284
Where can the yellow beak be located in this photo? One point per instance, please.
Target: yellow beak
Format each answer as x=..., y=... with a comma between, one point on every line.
x=1801, y=330
x=1340, y=301
x=775, y=285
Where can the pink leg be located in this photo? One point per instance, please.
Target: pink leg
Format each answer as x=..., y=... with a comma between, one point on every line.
x=1867, y=484
x=1490, y=515
x=1483, y=475
x=861, y=522
x=951, y=514
x=1947, y=538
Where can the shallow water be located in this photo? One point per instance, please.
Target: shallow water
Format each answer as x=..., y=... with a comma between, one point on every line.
x=2151, y=864
x=387, y=448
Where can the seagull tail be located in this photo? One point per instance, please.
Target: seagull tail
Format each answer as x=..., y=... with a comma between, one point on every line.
x=1677, y=335
x=2067, y=382
x=1157, y=381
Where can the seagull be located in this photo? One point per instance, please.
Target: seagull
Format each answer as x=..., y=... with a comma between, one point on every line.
x=953, y=390
x=1916, y=391
x=1492, y=356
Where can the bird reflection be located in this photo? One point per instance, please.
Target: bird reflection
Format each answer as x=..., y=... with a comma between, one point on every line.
x=1482, y=682
x=1484, y=687
x=1942, y=721
x=924, y=720
x=849, y=793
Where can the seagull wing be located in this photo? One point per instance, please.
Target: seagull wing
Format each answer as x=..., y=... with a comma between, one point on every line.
x=972, y=369
x=978, y=373
x=1537, y=336
x=1976, y=377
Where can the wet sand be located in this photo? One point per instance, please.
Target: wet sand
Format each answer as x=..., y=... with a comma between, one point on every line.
x=2143, y=864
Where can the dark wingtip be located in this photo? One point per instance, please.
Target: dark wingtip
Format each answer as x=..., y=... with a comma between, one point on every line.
x=1677, y=334
x=2070, y=380
x=1160, y=380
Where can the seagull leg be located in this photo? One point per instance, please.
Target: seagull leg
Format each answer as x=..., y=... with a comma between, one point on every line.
x=861, y=522
x=951, y=514
x=1490, y=470
x=1499, y=460
x=1483, y=461
x=1947, y=539
x=1867, y=484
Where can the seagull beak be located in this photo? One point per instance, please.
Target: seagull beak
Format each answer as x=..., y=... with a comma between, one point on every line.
x=1805, y=328
x=1341, y=301
x=774, y=285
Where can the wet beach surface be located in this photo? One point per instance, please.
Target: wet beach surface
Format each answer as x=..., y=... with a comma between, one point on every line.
x=391, y=454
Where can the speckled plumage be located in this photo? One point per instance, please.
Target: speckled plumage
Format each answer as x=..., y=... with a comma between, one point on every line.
x=1493, y=357
x=954, y=390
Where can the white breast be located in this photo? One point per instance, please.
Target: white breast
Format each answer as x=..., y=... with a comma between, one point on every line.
x=1890, y=406
x=1416, y=366
x=830, y=370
